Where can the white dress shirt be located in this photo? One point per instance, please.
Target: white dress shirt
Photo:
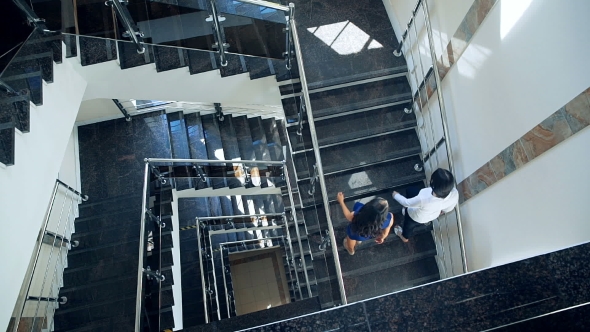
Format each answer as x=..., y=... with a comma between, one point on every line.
x=426, y=207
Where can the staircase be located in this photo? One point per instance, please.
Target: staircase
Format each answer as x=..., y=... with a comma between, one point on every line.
x=368, y=145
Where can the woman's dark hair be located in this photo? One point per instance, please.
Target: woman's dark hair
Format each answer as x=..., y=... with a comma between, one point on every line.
x=442, y=182
x=368, y=221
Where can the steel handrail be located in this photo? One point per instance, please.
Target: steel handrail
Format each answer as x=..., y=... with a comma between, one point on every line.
x=139, y=299
x=39, y=244
x=445, y=126
x=266, y=4
x=294, y=214
x=397, y=51
x=197, y=161
x=316, y=149
x=202, y=269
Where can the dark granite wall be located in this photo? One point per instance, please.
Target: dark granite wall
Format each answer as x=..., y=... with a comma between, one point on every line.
x=477, y=301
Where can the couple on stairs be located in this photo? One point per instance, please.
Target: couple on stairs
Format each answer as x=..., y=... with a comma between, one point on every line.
x=374, y=221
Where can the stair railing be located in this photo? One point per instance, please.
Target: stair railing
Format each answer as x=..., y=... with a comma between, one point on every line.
x=32, y=18
x=150, y=169
x=316, y=150
x=421, y=103
x=198, y=227
x=220, y=44
x=127, y=21
x=56, y=232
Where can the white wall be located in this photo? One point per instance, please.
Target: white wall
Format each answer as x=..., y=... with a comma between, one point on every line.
x=529, y=213
x=27, y=186
x=107, y=80
x=526, y=60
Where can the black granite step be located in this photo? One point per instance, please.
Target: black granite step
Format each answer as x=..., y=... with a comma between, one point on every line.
x=96, y=50
x=236, y=64
x=392, y=279
x=284, y=74
x=259, y=67
x=189, y=208
x=107, y=290
x=121, y=322
x=365, y=180
x=169, y=58
x=196, y=142
x=180, y=145
x=370, y=257
x=106, y=270
x=15, y=109
x=260, y=145
x=213, y=144
x=71, y=46
x=342, y=129
x=114, y=310
x=231, y=150
x=273, y=139
x=351, y=98
x=360, y=153
x=92, y=256
x=129, y=58
x=282, y=132
x=7, y=143
x=103, y=236
x=31, y=81
x=244, y=138
x=107, y=220
x=29, y=60
x=96, y=207
x=201, y=61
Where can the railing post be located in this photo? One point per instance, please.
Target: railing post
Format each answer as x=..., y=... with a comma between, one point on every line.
x=445, y=127
x=139, y=300
x=202, y=269
x=316, y=150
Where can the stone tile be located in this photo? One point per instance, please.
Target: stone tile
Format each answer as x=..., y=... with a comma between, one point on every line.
x=481, y=179
x=546, y=135
x=509, y=160
x=464, y=190
x=483, y=8
x=577, y=111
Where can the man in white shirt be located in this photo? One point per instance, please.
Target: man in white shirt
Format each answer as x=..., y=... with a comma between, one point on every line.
x=421, y=207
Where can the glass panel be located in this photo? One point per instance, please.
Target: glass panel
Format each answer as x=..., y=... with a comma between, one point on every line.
x=254, y=36
x=248, y=29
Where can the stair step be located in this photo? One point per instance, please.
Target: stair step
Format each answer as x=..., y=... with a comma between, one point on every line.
x=106, y=220
x=96, y=207
x=169, y=58
x=7, y=144
x=231, y=149
x=180, y=145
x=259, y=67
x=129, y=58
x=16, y=109
x=346, y=128
x=244, y=138
x=354, y=97
x=373, y=284
x=96, y=50
x=189, y=208
x=365, y=180
x=201, y=61
x=114, y=310
x=214, y=145
x=28, y=60
x=31, y=81
x=236, y=64
x=359, y=153
x=273, y=139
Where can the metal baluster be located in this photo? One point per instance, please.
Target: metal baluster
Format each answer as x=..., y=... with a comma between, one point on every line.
x=445, y=130
x=418, y=105
x=50, y=258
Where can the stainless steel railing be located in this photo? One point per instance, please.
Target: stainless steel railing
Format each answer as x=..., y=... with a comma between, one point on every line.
x=421, y=104
x=148, y=170
x=40, y=291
